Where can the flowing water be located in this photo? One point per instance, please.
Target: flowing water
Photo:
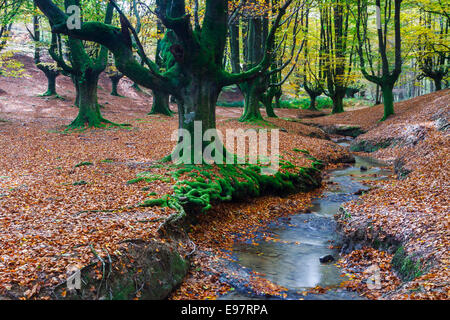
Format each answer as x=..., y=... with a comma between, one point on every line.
x=293, y=260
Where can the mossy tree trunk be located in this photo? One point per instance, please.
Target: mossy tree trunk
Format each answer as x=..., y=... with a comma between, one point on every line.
x=313, y=93
x=312, y=103
x=338, y=100
x=252, y=89
x=76, y=82
x=433, y=62
x=160, y=104
x=115, y=79
x=338, y=59
x=88, y=107
x=51, y=82
x=388, y=100
x=273, y=92
x=51, y=72
x=387, y=79
x=438, y=83
x=164, y=60
x=252, y=93
x=313, y=69
x=85, y=72
x=267, y=99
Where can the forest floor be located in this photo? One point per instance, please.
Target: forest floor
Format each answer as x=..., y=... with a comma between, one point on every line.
x=64, y=193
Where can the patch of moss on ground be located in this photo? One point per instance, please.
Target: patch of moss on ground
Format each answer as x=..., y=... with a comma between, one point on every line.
x=84, y=163
x=148, y=177
x=222, y=183
x=107, y=161
x=79, y=183
x=407, y=266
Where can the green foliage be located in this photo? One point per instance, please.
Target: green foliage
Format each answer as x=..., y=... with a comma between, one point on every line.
x=84, y=163
x=303, y=103
x=79, y=183
x=300, y=103
x=162, y=202
x=9, y=67
x=407, y=266
x=107, y=161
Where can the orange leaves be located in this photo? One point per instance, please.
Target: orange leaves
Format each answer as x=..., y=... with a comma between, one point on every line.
x=413, y=210
x=358, y=263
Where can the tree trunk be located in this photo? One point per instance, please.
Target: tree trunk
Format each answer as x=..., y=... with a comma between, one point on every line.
x=437, y=83
x=51, y=83
x=251, y=101
x=115, y=83
x=338, y=101
x=160, y=104
x=76, y=83
x=313, y=94
x=267, y=99
x=388, y=101
x=197, y=114
x=312, y=104
x=89, y=110
x=234, y=48
x=377, y=95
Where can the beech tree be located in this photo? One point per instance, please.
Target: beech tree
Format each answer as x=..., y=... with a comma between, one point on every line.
x=388, y=77
x=49, y=68
x=9, y=10
x=164, y=60
x=267, y=86
x=432, y=52
x=115, y=76
x=338, y=52
x=197, y=76
x=311, y=72
x=84, y=68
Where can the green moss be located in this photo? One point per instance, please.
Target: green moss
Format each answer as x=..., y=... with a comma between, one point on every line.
x=107, y=161
x=301, y=150
x=84, y=163
x=234, y=183
x=148, y=177
x=408, y=267
x=135, y=180
x=162, y=202
x=79, y=183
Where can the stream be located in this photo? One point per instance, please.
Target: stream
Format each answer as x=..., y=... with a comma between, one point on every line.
x=293, y=262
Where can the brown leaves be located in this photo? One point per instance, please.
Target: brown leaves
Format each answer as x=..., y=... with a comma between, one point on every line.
x=414, y=210
x=357, y=264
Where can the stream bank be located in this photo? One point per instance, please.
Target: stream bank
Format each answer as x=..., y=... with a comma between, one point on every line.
x=281, y=258
x=290, y=258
